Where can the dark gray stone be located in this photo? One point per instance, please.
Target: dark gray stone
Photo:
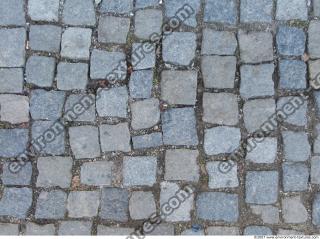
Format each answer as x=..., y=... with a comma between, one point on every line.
x=11, y=80
x=79, y=12
x=114, y=138
x=113, y=29
x=147, y=22
x=117, y=6
x=143, y=56
x=44, y=10
x=80, y=107
x=293, y=74
x=45, y=38
x=83, y=204
x=22, y=177
x=299, y=115
x=152, y=140
x=314, y=38
x=295, y=177
x=40, y=70
x=222, y=11
x=296, y=146
x=72, y=76
x=51, y=205
x=141, y=205
x=75, y=228
x=218, y=42
x=291, y=41
x=256, y=11
x=140, y=84
x=145, y=114
x=13, y=142
x=292, y=10
x=97, y=173
x=12, y=13
x=218, y=179
x=257, y=230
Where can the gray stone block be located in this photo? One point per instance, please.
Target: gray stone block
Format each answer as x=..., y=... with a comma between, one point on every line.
x=151, y=140
x=14, y=108
x=268, y=214
x=13, y=142
x=11, y=80
x=145, y=113
x=22, y=177
x=217, y=206
x=97, y=173
x=262, y=150
x=44, y=10
x=316, y=210
x=12, y=13
x=292, y=74
x=179, y=127
x=296, y=146
x=218, y=179
x=218, y=42
x=140, y=84
x=113, y=230
x=80, y=107
x=179, y=48
x=221, y=140
x=51, y=205
x=295, y=177
x=298, y=115
x=33, y=229
x=262, y=187
x=54, y=171
x=146, y=3
x=71, y=76
x=257, y=230
x=289, y=232
x=8, y=229
x=132, y=168
x=314, y=69
x=147, y=22
x=179, y=87
x=291, y=41
x=292, y=10
x=75, y=228
x=40, y=70
x=293, y=210
x=45, y=38
x=316, y=8
x=256, y=11
x=193, y=232
x=117, y=6
x=162, y=229
x=83, y=204
x=141, y=205
x=316, y=144
x=226, y=231
x=314, y=38
x=115, y=138
x=113, y=29
x=143, y=55
x=221, y=11
x=79, y=12
x=315, y=170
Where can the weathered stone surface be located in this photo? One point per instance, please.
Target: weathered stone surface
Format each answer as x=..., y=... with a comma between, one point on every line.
x=146, y=3
x=293, y=74
x=316, y=8
x=145, y=113
x=193, y=232
x=143, y=56
x=296, y=146
x=293, y=210
x=295, y=177
x=51, y=205
x=45, y=38
x=13, y=142
x=79, y=12
x=292, y=10
x=256, y=11
x=113, y=231
x=140, y=84
x=298, y=110
x=117, y=6
x=218, y=179
x=147, y=22
x=262, y=150
x=257, y=230
x=314, y=71
x=71, y=76
x=291, y=41
x=152, y=140
x=22, y=177
x=289, y=232
x=12, y=13
x=14, y=108
x=8, y=229
x=75, y=228
x=269, y=214
x=97, y=173
x=162, y=229
x=115, y=137
x=44, y=10
x=315, y=170
x=222, y=11
x=113, y=29
x=314, y=38
x=83, y=204
x=141, y=205
x=218, y=42
x=40, y=70
x=11, y=80
x=226, y=231
x=33, y=229
x=316, y=210
x=80, y=107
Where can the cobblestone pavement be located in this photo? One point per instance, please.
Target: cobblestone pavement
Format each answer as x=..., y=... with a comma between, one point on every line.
x=168, y=122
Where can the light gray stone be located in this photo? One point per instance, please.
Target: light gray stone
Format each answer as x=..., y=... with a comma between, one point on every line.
x=218, y=179
x=143, y=55
x=298, y=110
x=292, y=10
x=97, y=173
x=83, y=204
x=113, y=231
x=79, y=12
x=193, y=232
x=316, y=210
x=40, y=70
x=218, y=42
x=295, y=177
x=286, y=232
x=147, y=22
x=71, y=76
x=45, y=38
x=293, y=74
x=140, y=84
x=14, y=108
x=113, y=29
x=316, y=144
x=314, y=38
x=268, y=214
x=315, y=170
x=257, y=230
x=314, y=71
x=117, y=6
x=12, y=13
x=51, y=205
x=162, y=230
x=291, y=41
x=296, y=146
x=11, y=80
x=221, y=11
x=293, y=210
x=75, y=228
x=33, y=229
x=151, y=140
x=13, y=142
x=256, y=11
x=316, y=8
x=262, y=150
x=146, y=3
x=145, y=113
x=115, y=138
x=222, y=231
x=9, y=229
x=22, y=177
x=44, y=10
x=80, y=107
x=141, y=205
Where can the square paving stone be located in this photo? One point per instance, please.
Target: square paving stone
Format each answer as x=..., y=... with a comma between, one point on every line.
x=45, y=38
x=256, y=47
x=80, y=107
x=181, y=165
x=76, y=43
x=218, y=179
x=46, y=105
x=316, y=8
x=192, y=8
x=15, y=202
x=75, y=228
x=115, y=138
x=12, y=47
x=72, y=76
x=221, y=11
x=140, y=84
x=179, y=48
x=152, y=140
x=12, y=13
x=315, y=170
x=257, y=80
x=146, y=3
x=40, y=70
x=141, y=205
x=268, y=214
x=97, y=173
x=13, y=142
x=113, y=102
x=39, y=230
x=84, y=141
x=83, y=204
x=227, y=231
x=179, y=127
x=218, y=42
x=113, y=29
x=291, y=41
x=293, y=210
x=143, y=56
x=295, y=177
x=257, y=230
x=221, y=140
x=22, y=177
x=132, y=168
x=256, y=11
x=145, y=113
x=217, y=206
x=299, y=110
x=292, y=74
x=54, y=171
x=79, y=12
x=11, y=80
x=215, y=112
x=147, y=22
x=44, y=10
x=314, y=38
x=49, y=137
x=262, y=150
x=179, y=87
x=262, y=187
x=257, y=114
x=117, y=6
x=316, y=210
x=108, y=65
x=51, y=205
x=114, y=204
x=7, y=229
x=292, y=10
x=14, y=108
x=296, y=146
x=169, y=191
x=218, y=71
x=114, y=230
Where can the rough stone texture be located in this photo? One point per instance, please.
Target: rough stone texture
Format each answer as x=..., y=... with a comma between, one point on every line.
x=218, y=42
x=315, y=170
x=181, y=164
x=220, y=140
x=262, y=187
x=316, y=210
x=291, y=41
x=140, y=84
x=115, y=138
x=296, y=146
x=292, y=74
x=292, y=10
x=113, y=29
x=217, y=206
x=256, y=11
x=44, y=10
x=117, y=6
x=255, y=47
x=162, y=230
x=314, y=38
x=298, y=111
x=12, y=13
x=45, y=38
x=13, y=142
x=262, y=150
x=70, y=228
x=218, y=71
x=218, y=179
x=257, y=230
x=33, y=229
x=146, y=3
x=193, y=232
x=22, y=177
x=147, y=22
x=179, y=87
x=119, y=231
x=71, y=76
x=257, y=80
x=141, y=205
x=145, y=113
x=80, y=107
x=293, y=210
x=152, y=140
x=316, y=8
x=14, y=109
x=226, y=231
x=8, y=229
x=40, y=70
x=215, y=112
x=179, y=48
x=51, y=205
x=179, y=127
x=268, y=214
x=221, y=11
x=97, y=173
x=314, y=69
x=316, y=144
x=11, y=80
x=295, y=177
x=83, y=204
x=54, y=171
x=84, y=141
x=132, y=168
x=143, y=56
x=79, y=12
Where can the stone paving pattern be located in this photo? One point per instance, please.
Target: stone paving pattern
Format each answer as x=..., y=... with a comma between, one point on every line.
x=170, y=121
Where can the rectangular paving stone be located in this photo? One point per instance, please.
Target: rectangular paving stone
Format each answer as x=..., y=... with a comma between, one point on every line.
x=295, y=177
x=256, y=11
x=14, y=108
x=13, y=142
x=315, y=170
x=79, y=12
x=45, y=38
x=15, y=202
x=299, y=115
x=268, y=214
x=292, y=10
x=316, y=210
x=221, y=11
x=162, y=229
x=314, y=38
x=143, y=56
x=292, y=74
x=289, y=232
x=40, y=70
x=193, y=232
x=293, y=210
x=147, y=22
x=218, y=179
x=217, y=206
x=140, y=84
x=9, y=229
x=114, y=204
x=291, y=41
x=12, y=13
x=141, y=205
x=296, y=146
x=51, y=205
x=75, y=228
x=132, y=166
x=262, y=150
x=71, y=76
x=227, y=231
x=117, y=6
x=97, y=173
x=33, y=229
x=114, y=138
x=113, y=29
x=314, y=69
x=12, y=47
x=80, y=107
x=22, y=177
x=145, y=141
x=218, y=42
x=316, y=8
x=113, y=231
x=54, y=171
x=257, y=230
x=145, y=113
x=44, y=10
x=11, y=80
x=146, y=3
x=83, y=204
